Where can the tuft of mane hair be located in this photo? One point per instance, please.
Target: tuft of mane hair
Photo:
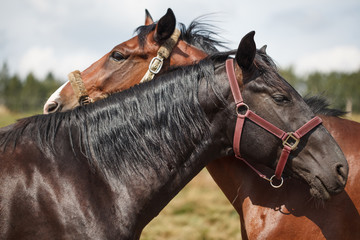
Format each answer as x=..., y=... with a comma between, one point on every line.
x=202, y=35
x=320, y=105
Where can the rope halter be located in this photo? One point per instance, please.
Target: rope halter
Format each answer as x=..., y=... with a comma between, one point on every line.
x=163, y=53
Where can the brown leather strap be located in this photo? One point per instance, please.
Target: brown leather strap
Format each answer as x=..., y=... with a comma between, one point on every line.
x=290, y=140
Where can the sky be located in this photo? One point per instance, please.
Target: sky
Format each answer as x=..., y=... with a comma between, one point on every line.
x=63, y=35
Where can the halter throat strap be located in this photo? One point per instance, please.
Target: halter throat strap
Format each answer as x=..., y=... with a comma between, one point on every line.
x=290, y=140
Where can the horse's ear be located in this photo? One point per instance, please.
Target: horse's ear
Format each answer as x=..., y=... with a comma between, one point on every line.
x=165, y=26
x=246, y=51
x=148, y=19
x=263, y=49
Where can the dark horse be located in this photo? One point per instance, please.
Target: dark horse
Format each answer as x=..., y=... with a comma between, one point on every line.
x=105, y=170
x=290, y=212
x=229, y=173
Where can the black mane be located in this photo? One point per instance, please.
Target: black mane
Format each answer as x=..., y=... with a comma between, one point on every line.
x=202, y=35
x=320, y=105
x=119, y=135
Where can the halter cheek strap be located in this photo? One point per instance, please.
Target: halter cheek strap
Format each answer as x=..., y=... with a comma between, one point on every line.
x=162, y=54
x=290, y=140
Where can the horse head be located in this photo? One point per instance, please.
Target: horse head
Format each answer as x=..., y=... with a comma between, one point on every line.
x=317, y=159
x=126, y=64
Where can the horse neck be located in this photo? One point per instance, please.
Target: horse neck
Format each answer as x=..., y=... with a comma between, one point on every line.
x=148, y=189
x=142, y=197
x=154, y=193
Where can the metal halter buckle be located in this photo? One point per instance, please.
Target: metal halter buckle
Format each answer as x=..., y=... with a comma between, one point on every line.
x=294, y=141
x=158, y=68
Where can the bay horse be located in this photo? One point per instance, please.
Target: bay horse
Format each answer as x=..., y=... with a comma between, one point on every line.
x=103, y=171
x=218, y=169
x=127, y=62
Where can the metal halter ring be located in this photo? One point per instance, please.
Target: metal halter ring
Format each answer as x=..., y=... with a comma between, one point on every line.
x=276, y=186
x=158, y=68
x=242, y=107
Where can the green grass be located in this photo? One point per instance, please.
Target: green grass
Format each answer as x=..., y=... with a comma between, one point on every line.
x=7, y=118
x=199, y=211
x=354, y=117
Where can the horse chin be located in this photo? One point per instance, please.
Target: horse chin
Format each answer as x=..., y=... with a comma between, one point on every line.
x=318, y=190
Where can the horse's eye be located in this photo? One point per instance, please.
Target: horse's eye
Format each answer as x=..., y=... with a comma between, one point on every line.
x=279, y=98
x=117, y=56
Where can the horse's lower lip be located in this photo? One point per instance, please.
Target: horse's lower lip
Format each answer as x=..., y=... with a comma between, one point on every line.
x=318, y=189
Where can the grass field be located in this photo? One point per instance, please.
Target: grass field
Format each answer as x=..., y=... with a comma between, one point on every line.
x=199, y=211
x=6, y=117
x=354, y=117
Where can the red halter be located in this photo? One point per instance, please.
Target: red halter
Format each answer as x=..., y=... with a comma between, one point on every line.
x=290, y=140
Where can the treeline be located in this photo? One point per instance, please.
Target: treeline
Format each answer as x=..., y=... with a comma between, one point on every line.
x=25, y=95
x=341, y=89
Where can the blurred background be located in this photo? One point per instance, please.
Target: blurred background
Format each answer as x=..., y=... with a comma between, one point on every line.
x=314, y=43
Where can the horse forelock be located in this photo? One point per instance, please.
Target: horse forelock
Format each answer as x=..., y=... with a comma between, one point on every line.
x=143, y=32
x=268, y=72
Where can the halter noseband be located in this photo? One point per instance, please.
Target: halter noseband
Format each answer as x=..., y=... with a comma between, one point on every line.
x=154, y=68
x=79, y=88
x=290, y=140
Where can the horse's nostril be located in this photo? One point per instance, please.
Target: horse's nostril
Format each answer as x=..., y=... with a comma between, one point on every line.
x=342, y=173
x=51, y=107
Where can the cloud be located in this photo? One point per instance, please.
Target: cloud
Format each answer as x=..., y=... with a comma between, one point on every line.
x=342, y=58
x=44, y=36
x=41, y=5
